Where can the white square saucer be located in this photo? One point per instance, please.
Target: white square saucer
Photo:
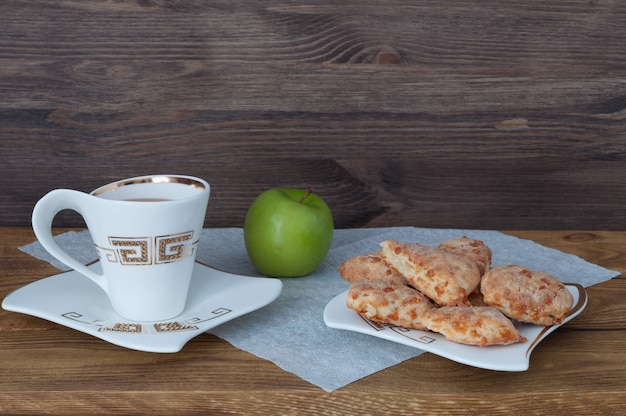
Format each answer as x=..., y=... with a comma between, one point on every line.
x=74, y=301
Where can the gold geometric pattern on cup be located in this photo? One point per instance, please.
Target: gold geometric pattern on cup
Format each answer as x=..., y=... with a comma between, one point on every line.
x=107, y=254
x=132, y=251
x=139, y=251
x=171, y=248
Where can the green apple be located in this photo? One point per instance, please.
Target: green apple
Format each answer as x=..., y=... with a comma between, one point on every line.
x=288, y=232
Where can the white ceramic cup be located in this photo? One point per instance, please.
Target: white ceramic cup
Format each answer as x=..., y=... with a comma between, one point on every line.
x=146, y=231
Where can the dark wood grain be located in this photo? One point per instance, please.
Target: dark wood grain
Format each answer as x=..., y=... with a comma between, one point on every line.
x=479, y=114
x=47, y=368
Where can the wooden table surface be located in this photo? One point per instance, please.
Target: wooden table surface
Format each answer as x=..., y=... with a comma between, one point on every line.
x=47, y=368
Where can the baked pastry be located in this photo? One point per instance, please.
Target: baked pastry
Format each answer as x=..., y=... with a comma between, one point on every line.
x=444, y=290
x=445, y=277
x=399, y=305
x=475, y=325
x=475, y=250
x=370, y=266
x=530, y=296
x=388, y=303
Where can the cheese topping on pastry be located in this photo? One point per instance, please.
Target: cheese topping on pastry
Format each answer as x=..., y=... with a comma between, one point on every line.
x=530, y=296
x=475, y=325
x=447, y=278
x=386, y=302
x=475, y=250
x=370, y=266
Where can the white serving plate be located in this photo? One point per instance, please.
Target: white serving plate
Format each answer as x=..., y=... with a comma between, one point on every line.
x=514, y=357
x=72, y=300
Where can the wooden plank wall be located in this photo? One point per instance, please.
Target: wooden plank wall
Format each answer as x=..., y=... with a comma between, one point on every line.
x=468, y=114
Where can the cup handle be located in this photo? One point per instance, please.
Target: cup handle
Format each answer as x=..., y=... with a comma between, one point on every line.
x=44, y=212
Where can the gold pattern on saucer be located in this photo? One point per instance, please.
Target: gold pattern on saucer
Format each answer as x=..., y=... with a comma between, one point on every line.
x=190, y=324
x=173, y=326
x=137, y=328
x=123, y=327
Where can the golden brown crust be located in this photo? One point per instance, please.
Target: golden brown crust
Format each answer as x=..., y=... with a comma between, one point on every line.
x=473, y=249
x=446, y=278
x=474, y=325
x=370, y=266
x=390, y=303
x=526, y=295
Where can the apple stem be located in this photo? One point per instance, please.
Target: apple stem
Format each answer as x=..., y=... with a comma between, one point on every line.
x=309, y=192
